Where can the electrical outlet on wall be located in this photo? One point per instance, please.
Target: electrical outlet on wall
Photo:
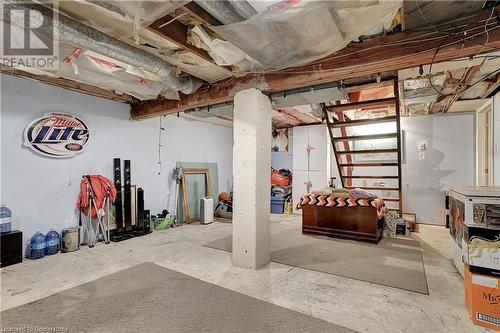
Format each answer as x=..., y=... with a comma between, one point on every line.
x=422, y=145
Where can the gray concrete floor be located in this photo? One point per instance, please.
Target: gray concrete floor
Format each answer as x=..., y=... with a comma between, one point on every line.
x=358, y=305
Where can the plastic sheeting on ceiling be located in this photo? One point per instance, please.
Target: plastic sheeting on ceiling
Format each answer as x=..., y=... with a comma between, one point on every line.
x=307, y=31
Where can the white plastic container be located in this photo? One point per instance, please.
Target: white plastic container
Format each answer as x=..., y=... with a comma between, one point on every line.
x=206, y=210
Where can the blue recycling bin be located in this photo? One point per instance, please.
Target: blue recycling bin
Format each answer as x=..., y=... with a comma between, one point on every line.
x=277, y=205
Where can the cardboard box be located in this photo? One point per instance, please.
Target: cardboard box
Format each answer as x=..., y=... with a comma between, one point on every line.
x=481, y=250
x=482, y=299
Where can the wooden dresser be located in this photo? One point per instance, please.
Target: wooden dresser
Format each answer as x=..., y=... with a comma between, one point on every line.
x=358, y=223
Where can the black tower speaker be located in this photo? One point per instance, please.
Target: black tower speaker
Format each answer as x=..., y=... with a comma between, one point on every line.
x=128, y=196
x=117, y=169
x=140, y=209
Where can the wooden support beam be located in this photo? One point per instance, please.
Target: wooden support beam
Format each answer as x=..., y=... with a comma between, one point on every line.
x=68, y=84
x=390, y=53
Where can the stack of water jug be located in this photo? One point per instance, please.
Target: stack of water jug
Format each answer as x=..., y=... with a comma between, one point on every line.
x=41, y=245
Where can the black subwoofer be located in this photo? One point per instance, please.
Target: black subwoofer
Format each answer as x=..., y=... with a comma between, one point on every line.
x=11, y=248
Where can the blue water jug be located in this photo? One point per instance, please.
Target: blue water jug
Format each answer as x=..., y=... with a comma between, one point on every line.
x=37, y=245
x=52, y=242
x=5, y=219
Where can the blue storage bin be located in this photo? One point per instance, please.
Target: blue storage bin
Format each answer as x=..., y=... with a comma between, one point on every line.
x=277, y=205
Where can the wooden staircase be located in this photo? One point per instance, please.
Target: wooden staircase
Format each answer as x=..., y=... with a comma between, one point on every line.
x=356, y=172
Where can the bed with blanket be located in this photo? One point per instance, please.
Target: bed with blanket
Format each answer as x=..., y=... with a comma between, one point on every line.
x=338, y=215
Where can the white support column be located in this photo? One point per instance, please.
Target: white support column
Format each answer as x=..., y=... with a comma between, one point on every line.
x=252, y=179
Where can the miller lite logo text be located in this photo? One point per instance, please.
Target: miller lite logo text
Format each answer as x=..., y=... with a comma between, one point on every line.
x=57, y=135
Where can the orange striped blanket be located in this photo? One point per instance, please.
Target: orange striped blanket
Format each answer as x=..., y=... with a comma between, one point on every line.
x=332, y=201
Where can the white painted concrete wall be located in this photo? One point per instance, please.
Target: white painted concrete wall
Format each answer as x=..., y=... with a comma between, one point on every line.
x=281, y=160
x=450, y=161
x=42, y=192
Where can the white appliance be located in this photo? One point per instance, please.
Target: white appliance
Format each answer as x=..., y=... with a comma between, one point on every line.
x=471, y=206
x=206, y=210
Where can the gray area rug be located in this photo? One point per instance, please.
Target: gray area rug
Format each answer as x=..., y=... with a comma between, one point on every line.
x=151, y=298
x=394, y=262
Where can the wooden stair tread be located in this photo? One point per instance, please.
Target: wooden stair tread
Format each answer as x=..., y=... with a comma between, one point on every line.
x=373, y=188
x=367, y=164
x=341, y=139
x=376, y=103
x=366, y=137
x=367, y=151
x=367, y=121
x=371, y=177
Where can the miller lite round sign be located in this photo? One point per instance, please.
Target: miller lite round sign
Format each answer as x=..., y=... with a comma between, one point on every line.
x=56, y=135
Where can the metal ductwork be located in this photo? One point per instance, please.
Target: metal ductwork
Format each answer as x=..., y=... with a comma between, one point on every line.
x=243, y=8
x=224, y=11
x=77, y=34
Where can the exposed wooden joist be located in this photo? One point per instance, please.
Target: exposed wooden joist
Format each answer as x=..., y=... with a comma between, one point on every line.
x=468, y=76
x=199, y=14
x=67, y=84
x=176, y=32
x=289, y=116
x=397, y=51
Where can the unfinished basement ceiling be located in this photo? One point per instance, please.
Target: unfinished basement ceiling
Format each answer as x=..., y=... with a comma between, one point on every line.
x=174, y=47
x=446, y=86
x=207, y=40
